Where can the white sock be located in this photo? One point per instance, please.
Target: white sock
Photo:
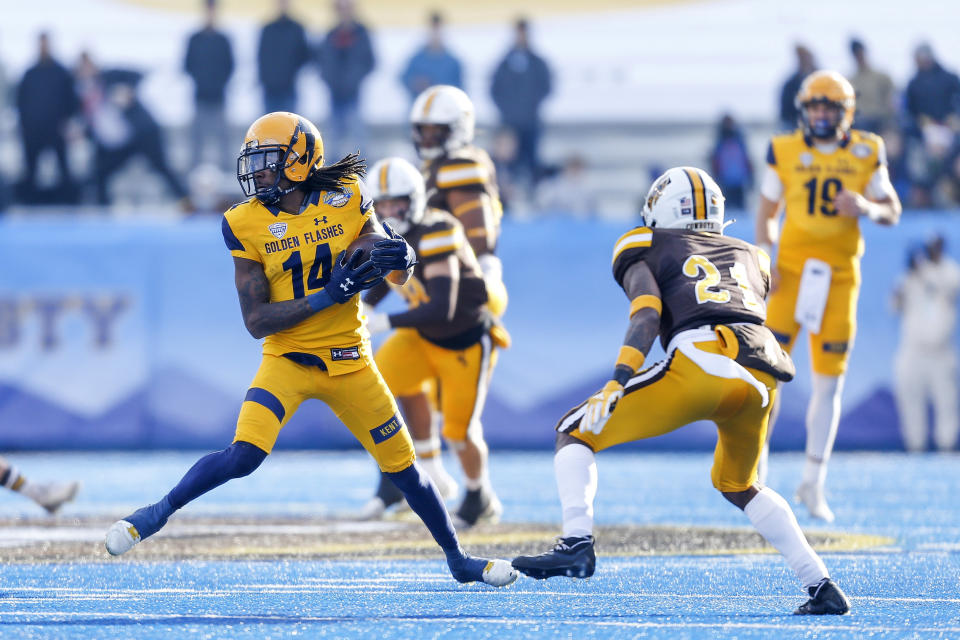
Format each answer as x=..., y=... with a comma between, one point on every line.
x=823, y=418
x=773, y=519
x=430, y=458
x=575, y=468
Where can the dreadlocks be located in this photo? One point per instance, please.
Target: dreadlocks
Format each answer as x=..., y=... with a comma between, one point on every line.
x=332, y=177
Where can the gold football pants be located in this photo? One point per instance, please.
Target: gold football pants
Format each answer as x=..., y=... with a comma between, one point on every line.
x=360, y=399
x=675, y=392
x=829, y=349
x=408, y=361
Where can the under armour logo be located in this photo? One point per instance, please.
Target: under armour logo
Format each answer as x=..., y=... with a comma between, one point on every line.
x=346, y=284
x=318, y=221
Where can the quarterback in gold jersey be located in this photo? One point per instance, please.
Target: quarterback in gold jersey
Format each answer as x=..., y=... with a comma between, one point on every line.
x=827, y=176
x=445, y=335
x=298, y=290
x=702, y=293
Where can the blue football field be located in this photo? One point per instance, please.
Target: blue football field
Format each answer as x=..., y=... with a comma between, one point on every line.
x=899, y=559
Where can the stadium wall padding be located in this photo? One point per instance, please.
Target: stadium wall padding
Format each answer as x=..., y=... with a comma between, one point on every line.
x=127, y=334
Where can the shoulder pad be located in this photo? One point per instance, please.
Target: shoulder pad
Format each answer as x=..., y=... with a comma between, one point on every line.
x=629, y=248
x=440, y=238
x=458, y=173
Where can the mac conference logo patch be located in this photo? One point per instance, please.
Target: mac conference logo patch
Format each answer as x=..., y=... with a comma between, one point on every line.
x=278, y=229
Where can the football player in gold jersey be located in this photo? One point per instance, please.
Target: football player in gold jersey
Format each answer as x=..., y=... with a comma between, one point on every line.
x=445, y=333
x=703, y=294
x=460, y=178
x=827, y=176
x=298, y=290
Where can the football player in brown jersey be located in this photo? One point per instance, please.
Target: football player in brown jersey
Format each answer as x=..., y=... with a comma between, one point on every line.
x=460, y=178
x=702, y=293
x=445, y=333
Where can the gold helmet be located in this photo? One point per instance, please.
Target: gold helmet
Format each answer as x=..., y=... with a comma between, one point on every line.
x=282, y=142
x=831, y=88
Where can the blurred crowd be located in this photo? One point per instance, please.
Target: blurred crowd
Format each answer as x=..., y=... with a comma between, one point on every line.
x=62, y=107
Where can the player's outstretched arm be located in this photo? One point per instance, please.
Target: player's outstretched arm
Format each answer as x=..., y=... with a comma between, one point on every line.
x=442, y=282
x=645, y=306
x=263, y=318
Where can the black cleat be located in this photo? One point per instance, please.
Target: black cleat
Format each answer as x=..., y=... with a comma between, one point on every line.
x=826, y=598
x=478, y=505
x=572, y=557
x=388, y=492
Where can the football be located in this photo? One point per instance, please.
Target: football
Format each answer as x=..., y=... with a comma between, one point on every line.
x=364, y=242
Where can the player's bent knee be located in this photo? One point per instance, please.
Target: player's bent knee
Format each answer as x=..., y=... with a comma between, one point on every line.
x=564, y=439
x=741, y=498
x=243, y=458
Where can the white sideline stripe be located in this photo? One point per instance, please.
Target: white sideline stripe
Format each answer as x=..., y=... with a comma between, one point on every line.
x=279, y=589
x=146, y=617
x=635, y=237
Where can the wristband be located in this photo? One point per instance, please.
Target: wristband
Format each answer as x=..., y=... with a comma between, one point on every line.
x=644, y=302
x=630, y=357
x=320, y=300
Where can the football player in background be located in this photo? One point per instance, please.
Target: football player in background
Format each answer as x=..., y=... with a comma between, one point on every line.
x=827, y=176
x=703, y=294
x=445, y=333
x=298, y=289
x=460, y=178
x=49, y=495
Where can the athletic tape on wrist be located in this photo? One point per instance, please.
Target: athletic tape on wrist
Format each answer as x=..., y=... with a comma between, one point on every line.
x=630, y=357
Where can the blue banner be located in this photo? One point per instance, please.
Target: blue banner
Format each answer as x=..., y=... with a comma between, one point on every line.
x=128, y=334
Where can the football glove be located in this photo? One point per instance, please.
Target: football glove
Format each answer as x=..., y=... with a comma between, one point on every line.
x=350, y=277
x=600, y=406
x=394, y=253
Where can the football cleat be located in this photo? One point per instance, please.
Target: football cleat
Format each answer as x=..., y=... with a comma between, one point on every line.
x=53, y=495
x=826, y=598
x=479, y=505
x=446, y=485
x=573, y=557
x=496, y=573
x=121, y=537
x=812, y=497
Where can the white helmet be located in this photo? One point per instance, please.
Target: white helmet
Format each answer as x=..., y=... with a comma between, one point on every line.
x=445, y=105
x=684, y=198
x=397, y=178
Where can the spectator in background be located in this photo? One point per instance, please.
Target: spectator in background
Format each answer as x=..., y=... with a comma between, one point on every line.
x=925, y=366
x=933, y=94
x=120, y=127
x=521, y=82
x=432, y=64
x=730, y=163
x=281, y=53
x=209, y=62
x=345, y=59
x=806, y=64
x=569, y=191
x=4, y=94
x=46, y=101
x=875, y=93
x=932, y=101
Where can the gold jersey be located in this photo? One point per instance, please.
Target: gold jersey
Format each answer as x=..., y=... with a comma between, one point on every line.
x=811, y=180
x=297, y=253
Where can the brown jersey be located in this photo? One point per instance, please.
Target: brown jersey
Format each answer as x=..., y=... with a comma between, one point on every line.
x=469, y=168
x=435, y=238
x=704, y=278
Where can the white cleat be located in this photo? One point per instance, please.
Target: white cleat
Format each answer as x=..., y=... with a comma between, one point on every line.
x=51, y=496
x=499, y=573
x=812, y=497
x=121, y=537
